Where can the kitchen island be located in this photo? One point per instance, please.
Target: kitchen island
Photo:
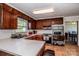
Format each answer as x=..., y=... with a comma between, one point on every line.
x=22, y=47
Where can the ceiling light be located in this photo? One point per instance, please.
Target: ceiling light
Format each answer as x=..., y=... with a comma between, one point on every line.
x=43, y=11
x=73, y=23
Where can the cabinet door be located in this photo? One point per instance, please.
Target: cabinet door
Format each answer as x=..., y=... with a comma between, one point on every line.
x=13, y=22
x=9, y=20
x=33, y=24
x=39, y=37
x=46, y=23
x=59, y=21
x=0, y=15
x=6, y=20
x=39, y=25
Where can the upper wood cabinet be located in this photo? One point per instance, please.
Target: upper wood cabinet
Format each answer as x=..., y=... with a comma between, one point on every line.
x=7, y=8
x=13, y=21
x=32, y=24
x=40, y=24
x=9, y=15
x=58, y=21
x=20, y=14
x=8, y=20
x=46, y=23
x=0, y=15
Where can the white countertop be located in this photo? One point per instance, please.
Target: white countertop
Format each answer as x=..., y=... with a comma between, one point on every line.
x=23, y=47
x=31, y=35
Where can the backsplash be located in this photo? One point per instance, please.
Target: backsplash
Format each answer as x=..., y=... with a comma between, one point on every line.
x=41, y=31
x=44, y=31
x=6, y=33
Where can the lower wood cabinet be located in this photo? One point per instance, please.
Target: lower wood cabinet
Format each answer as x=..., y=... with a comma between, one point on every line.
x=5, y=54
x=41, y=52
x=37, y=37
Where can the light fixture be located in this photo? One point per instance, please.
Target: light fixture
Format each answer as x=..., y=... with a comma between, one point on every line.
x=73, y=23
x=43, y=11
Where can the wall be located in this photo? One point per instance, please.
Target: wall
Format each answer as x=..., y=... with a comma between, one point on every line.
x=72, y=18
x=6, y=33
x=44, y=31
x=41, y=31
x=78, y=33
x=70, y=26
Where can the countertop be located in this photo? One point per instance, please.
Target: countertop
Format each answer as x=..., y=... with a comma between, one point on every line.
x=21, y=47
x=30, y=36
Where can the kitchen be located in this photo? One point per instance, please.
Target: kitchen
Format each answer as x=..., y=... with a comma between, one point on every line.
x=18, y=29
x=9, y=27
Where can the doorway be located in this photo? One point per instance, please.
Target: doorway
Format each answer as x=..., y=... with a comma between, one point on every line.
x=71, y=32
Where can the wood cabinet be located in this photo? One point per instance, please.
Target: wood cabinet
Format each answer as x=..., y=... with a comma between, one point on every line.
x=5, y=54
x=32, y=24
x=7, y=8
x=46, y=22
x=9, y=15
x=41, y=52
x=0, y=15
x=37, y=37
x=13, y=22
x=6, y=20
x=9, y=20
x=21, y=15
x=58, y=21
x=40, y=24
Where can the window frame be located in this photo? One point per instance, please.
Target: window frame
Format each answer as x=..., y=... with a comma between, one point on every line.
x=20, y=27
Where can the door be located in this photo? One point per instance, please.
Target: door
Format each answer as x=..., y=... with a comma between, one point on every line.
x=71, y=31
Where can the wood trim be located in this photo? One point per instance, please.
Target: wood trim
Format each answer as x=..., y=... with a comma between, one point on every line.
x=41, y=52
x=2, y=53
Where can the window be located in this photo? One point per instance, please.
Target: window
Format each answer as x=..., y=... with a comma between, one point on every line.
x=22, y=25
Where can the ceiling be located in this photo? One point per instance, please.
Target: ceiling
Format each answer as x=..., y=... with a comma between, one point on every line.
x=60, y=9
